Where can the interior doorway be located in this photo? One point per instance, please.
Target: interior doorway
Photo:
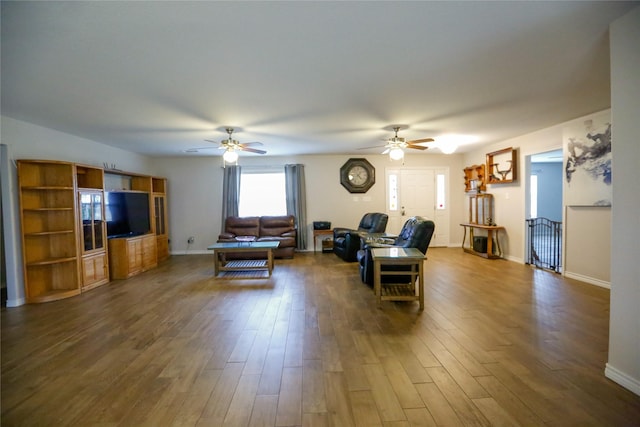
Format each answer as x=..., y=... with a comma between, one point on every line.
x=544, y=210
x=421, y=191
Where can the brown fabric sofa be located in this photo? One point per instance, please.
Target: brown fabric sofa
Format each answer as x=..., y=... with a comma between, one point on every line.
x=265, y=229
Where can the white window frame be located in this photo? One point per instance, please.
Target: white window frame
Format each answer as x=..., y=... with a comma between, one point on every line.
x=269, y=199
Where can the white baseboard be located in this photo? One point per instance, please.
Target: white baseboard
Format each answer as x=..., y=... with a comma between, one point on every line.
x=590, y=280
x=192, y=252
x=16, y=302
x=617, y=376
x=514, y=259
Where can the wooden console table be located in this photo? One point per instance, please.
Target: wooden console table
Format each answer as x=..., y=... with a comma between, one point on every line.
x=490, y=229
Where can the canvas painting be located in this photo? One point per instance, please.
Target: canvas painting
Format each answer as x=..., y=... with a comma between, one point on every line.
x=587, y=162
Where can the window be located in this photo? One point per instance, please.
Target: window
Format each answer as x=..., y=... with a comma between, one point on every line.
x=393, y=192
x=534, y=196
x=440, y=192
x=262, y=193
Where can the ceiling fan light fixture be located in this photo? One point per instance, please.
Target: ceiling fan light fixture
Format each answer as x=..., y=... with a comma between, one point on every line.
x=396, y=153
x=230, y=156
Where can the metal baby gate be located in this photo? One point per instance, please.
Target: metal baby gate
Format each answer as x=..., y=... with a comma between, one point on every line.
x=545, y=243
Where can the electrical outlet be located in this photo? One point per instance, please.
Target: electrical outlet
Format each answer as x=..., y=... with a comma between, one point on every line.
x=191, y=239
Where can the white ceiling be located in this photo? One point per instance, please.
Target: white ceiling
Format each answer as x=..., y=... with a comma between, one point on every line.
x=302, y=77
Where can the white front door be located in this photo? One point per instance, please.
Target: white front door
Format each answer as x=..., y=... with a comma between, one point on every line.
x=415, y=192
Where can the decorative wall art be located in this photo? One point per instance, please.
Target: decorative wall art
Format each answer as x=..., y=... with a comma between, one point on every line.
x=502, y=166
x=587, y=162
x=474, y=179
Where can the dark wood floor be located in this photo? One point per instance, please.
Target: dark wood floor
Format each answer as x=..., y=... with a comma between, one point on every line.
x=498, y=343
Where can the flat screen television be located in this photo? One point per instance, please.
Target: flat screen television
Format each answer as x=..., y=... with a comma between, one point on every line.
x=126, y=213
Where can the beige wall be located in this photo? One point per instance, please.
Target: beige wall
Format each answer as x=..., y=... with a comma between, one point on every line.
x=28, y=141
x=510, y=209
x=587, y=244
x=195, y=192
x=624, y=327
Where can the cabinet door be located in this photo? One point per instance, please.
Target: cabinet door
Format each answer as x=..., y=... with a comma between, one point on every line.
x=149, y=253
x=160, y=215
x=162, y=247
x=94, y=271
x=98, y=221
x=160, y=226
x=92, y=221
x=134, y=253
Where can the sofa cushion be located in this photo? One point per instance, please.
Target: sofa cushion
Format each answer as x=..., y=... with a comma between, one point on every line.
x=285, y=242
x=242, y=226
x=277, y=226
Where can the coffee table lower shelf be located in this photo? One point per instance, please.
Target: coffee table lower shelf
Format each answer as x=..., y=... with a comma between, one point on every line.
x=264, y=264
x=244, y=264
x=397, y=292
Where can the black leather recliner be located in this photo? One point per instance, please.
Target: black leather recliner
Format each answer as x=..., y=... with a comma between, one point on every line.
x=346, y=241
x=415, y=233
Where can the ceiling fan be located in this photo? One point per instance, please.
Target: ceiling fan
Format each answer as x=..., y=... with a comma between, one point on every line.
x=395, y=145
x=231, y=147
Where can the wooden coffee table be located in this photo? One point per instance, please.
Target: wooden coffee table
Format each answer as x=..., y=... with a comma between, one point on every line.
x=247, y=264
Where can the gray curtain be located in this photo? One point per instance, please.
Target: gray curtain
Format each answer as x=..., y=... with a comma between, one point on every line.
x=230, y=192
x=297, y=200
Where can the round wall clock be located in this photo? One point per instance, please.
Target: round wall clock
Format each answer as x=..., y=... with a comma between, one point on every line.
x=357, y=175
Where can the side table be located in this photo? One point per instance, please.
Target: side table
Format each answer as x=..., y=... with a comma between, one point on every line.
x=317, y=233
x=414, y=291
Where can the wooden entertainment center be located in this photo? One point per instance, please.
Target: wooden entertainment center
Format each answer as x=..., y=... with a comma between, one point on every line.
x=64, y=233
x=132, y=255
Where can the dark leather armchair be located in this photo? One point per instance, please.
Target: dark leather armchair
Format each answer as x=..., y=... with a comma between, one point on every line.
x=346, y=241
x=415, y=233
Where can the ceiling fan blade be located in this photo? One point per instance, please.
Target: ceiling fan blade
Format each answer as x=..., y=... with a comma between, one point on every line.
x=420, y=141
x=417, y=147
x=196, y=149
x=249, y=144
x=375, y=146
x=252, y=150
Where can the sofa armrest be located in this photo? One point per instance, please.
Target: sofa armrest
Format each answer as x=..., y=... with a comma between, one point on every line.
x=291, y=233
x=386, y=241
x=226, y=236
x=341, y=231
x=378, y=245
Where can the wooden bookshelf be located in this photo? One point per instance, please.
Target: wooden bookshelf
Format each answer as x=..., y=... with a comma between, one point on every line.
x=49, y=234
